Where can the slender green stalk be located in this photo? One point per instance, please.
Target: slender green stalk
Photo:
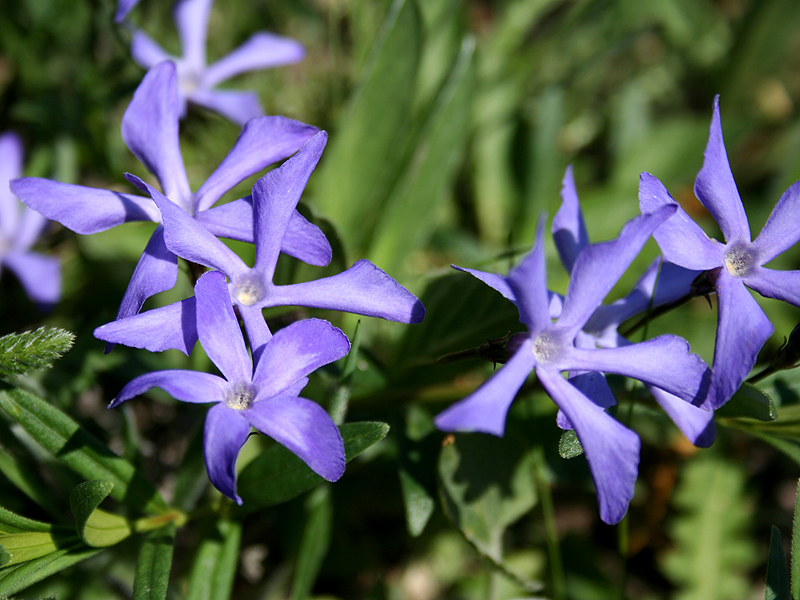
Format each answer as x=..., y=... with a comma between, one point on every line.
x=551, y=533
x=623, y=539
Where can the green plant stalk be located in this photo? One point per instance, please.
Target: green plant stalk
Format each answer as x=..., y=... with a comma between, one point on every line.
x=550, y=530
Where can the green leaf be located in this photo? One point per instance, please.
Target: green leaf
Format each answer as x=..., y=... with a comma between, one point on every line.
x=419, y=444
x=13, y=523
x=277, y=475
x=22, y=547
x=18, y=577
x=364, y=156
x=487, y=484
x=33, y=350
x=154, y=564
x=569, y=446
x=96, y=527
x=79, y=450
x=777, y=587
x=215, y=564
x=315, y=542
x=795, y=562
x=712, y=548
x=410, y=213
x=749, y=402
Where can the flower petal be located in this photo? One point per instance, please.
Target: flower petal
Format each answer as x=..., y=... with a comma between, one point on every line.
x=224, y=434
x=156, y=272
x=172, y=327
x=716, y=189
x=780, y=285
x=10, y=168
x=187, y=238
x=594, y=386
x=191, y=19
x=569, y=228
x=680, y=239
x=258, y=333
x=150, y=130
x=303, y=240
x=486, y=408
x=363, y=289
x=262, y=51
x=39, y=275
x=494, y=281
x=263, y=141
x=219, y=329
x=657, y=361
x=82, y=209
x=599, y=267
x=528, y=281
x=695, y=423
x=612, y=449
x=780, y=232
x=304, y=428
x=29, y=228
x=296, y=351
x=186, y=386
x=742, y=329
x=239, y=107
x=146, y=51
x=275, y=197
x=123, y=8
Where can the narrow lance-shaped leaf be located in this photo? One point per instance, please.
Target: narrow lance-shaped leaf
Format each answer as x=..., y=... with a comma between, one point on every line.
x=154, y=564
x=217, y=555
x=16, y=578
x=777, y=587
x=79, y=450
x=96, y=527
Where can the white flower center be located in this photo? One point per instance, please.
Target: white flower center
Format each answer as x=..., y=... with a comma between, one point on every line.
x=547, y=347
x=740, y=259
x=239, y=397
x=248, y=290
x=189, y=81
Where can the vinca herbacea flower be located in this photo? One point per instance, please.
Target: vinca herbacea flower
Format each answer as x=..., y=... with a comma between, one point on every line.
x=362, y=289
x=150, y=130
x=673, y=283
x=264, y=397
x=20, y=227
x=551, y=347
x=732, y=266
x=197, y=81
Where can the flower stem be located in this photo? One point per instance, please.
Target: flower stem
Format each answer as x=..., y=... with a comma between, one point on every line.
x=550, y=530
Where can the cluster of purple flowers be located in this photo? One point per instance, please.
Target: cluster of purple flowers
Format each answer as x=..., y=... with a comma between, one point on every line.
x=579, y=335
x=260, y=388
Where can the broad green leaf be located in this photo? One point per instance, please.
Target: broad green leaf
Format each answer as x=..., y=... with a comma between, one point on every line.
x=32, y=350
x=569, y=446
x=154, y=564
x=16, y=578
x=314, y=543
x=277, y=475
x=79, y=450
x=712, y=548
x=749, y=402
x=795, y=563
x=488, y=483
x=410, y=212
x=364, y=156
x=215, y=564
x=777, y=587
x=96, y=527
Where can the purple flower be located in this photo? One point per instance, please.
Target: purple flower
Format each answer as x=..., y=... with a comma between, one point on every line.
x=150, y=130
x=549, y=348
x=732, y=266
x=197, y=81
x=674, y=282
x=362, y=289
x=19, y=229
x=123, y=8
x=264, y=397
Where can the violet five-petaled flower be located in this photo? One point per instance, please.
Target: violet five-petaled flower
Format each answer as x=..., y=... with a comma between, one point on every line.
x=550, y=348
x=197, y=80
x=264, y=397
x=20, y=227
x=150, y=130
x=362, y=289
x=732, y=266
x=662, y=283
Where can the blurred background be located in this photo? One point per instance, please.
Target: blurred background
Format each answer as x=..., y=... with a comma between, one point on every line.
x=451, y=124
